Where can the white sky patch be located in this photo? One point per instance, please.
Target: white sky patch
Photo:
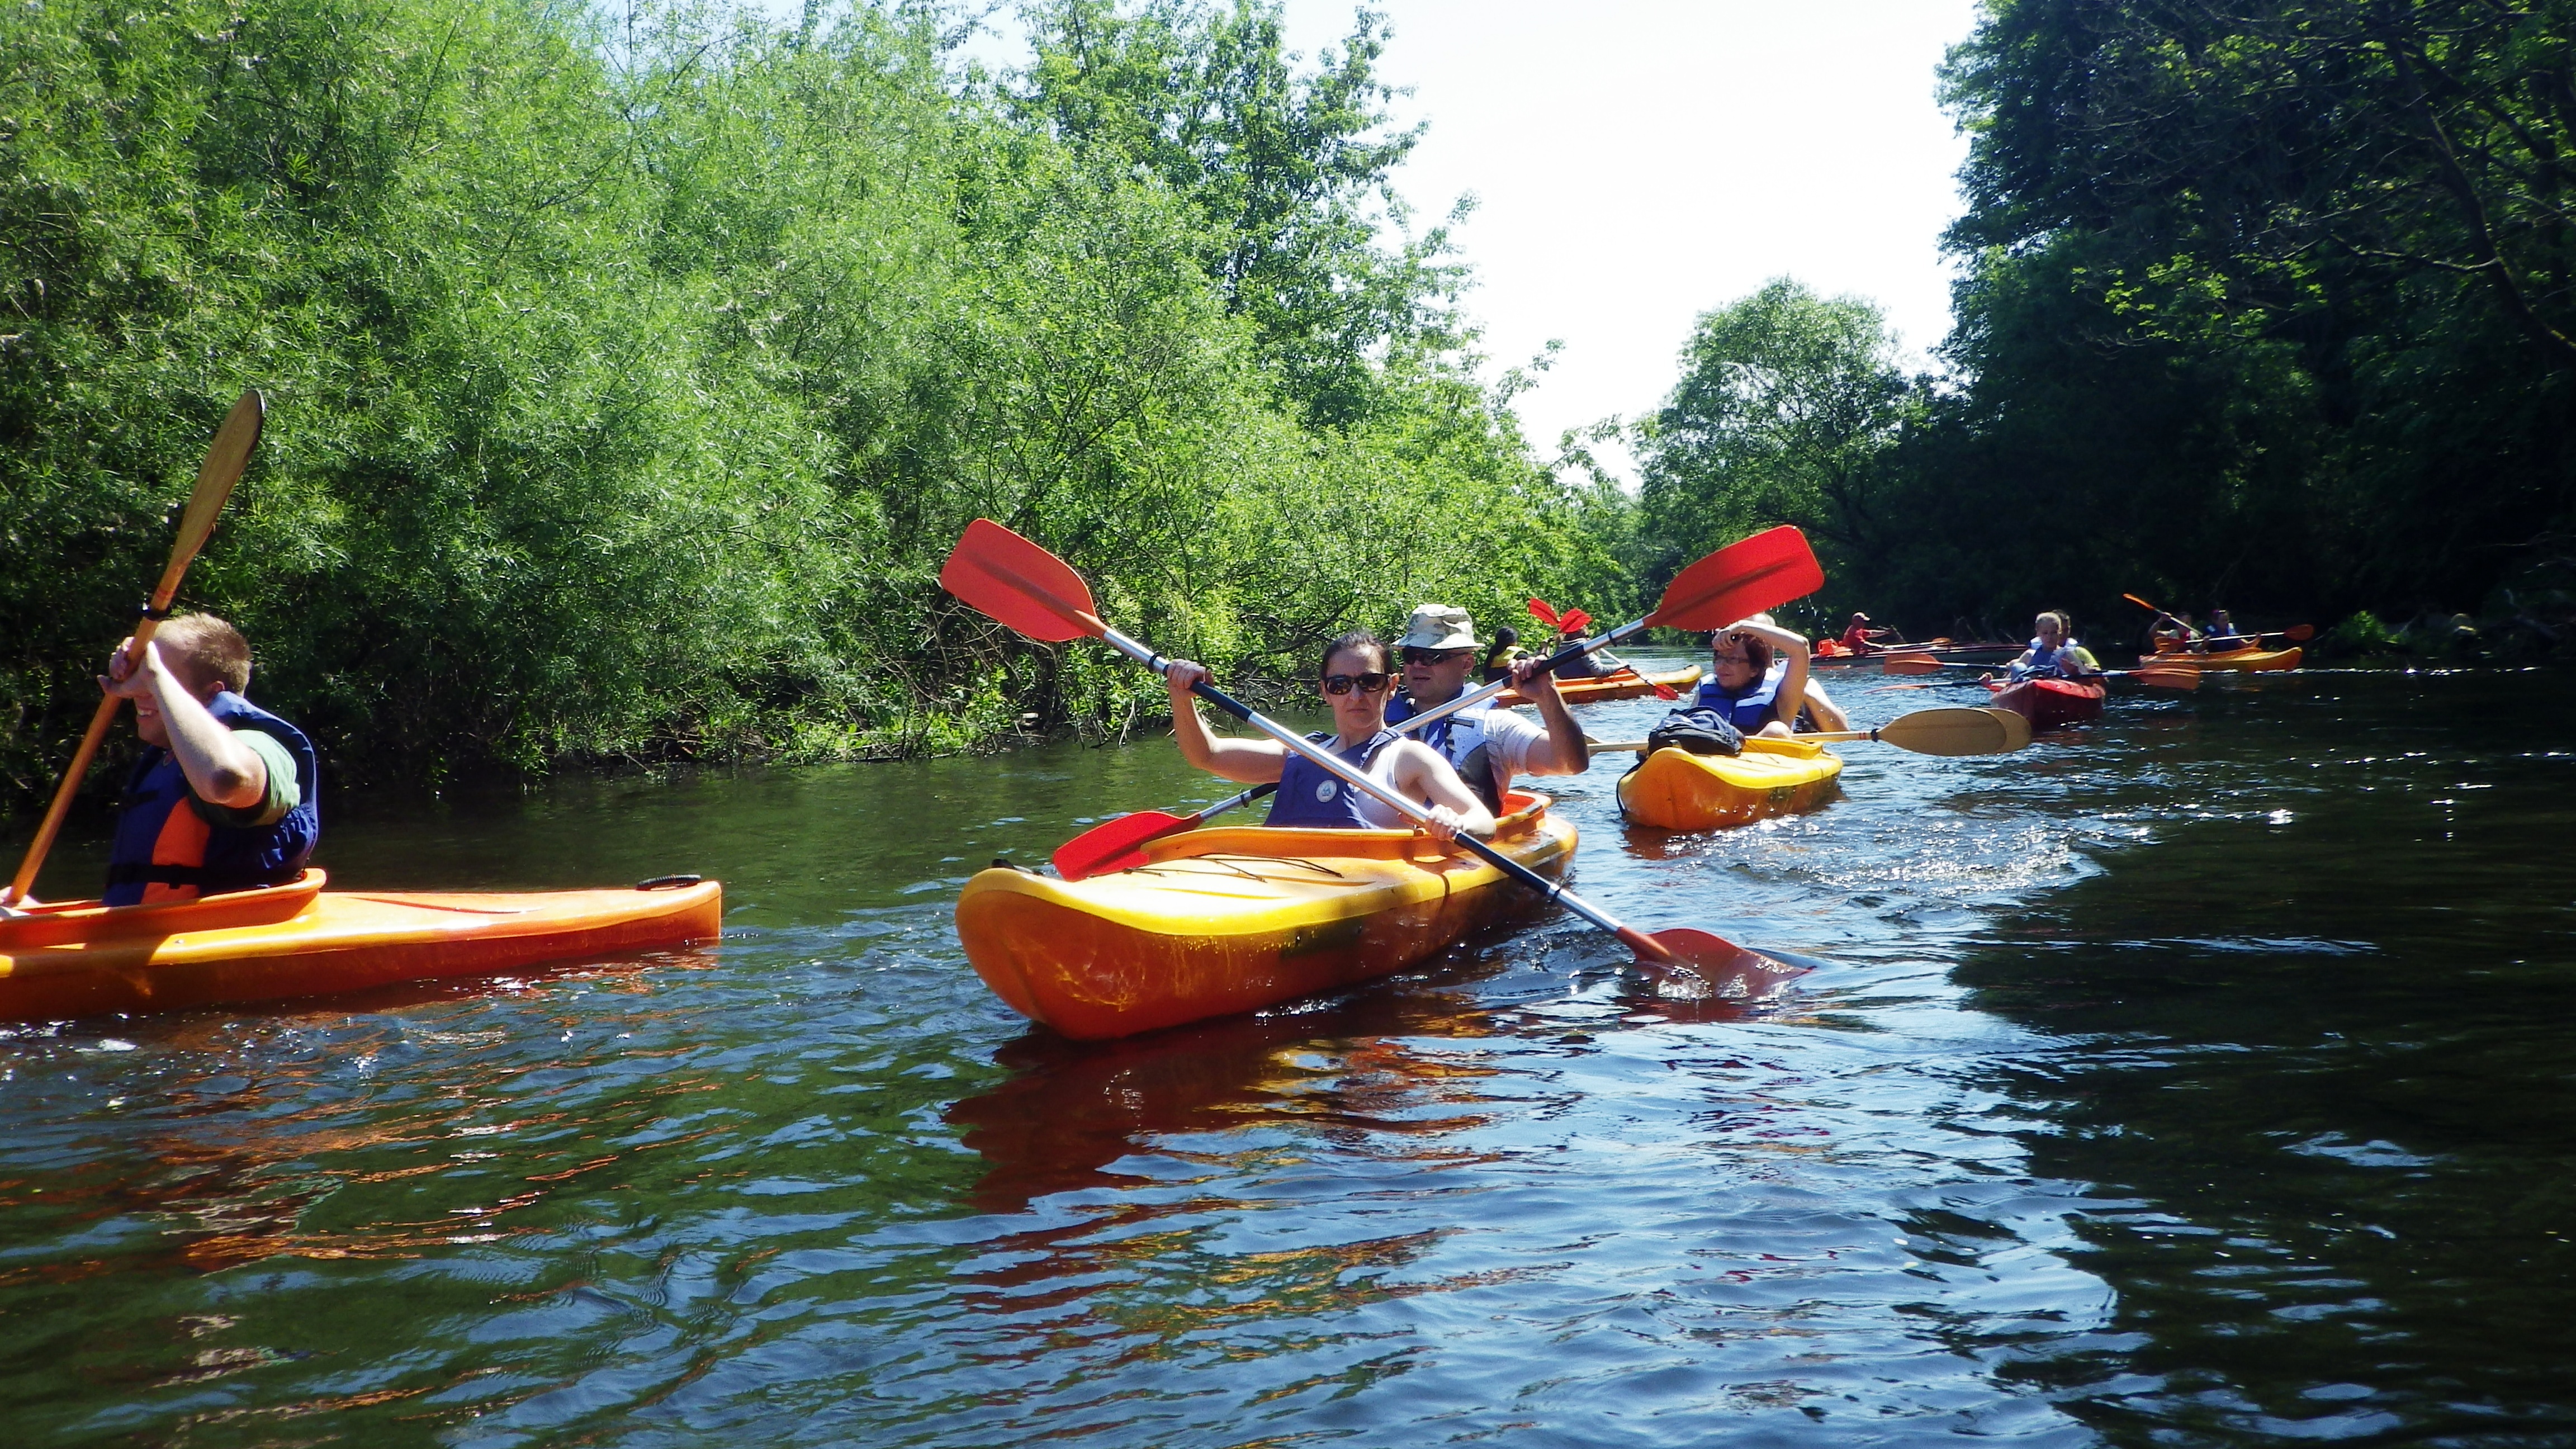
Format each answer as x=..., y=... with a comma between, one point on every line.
x=1638, y=162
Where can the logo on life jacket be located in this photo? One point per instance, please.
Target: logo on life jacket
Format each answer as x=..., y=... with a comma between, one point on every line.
x=1327, y=790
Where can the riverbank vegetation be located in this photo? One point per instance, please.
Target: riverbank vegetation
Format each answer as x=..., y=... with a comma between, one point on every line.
x=630, y=375
x=2270, y=305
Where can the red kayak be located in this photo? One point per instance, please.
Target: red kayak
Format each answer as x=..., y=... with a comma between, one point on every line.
x=2051, y=703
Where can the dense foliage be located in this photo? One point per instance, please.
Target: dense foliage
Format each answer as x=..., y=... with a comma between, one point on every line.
x=2265, y=302
x=631, y=376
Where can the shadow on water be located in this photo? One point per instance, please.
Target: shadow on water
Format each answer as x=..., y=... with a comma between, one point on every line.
x=2318, y=1068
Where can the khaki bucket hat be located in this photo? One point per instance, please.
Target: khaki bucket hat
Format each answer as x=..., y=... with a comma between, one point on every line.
x=1438, y=626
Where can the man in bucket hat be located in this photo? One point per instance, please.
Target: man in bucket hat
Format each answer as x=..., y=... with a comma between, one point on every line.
x=1488, y=746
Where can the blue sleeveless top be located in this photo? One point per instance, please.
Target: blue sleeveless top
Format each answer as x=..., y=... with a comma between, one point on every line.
x=1313, y=798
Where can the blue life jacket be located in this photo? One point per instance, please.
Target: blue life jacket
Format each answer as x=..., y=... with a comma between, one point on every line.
x=170, y=846
x=1749, y=708
x=1313, y=798
x=2045, y=663
x=1463, y=739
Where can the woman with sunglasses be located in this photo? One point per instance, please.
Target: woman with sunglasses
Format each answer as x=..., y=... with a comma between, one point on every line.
x=1757, y=677
x=1355, y=681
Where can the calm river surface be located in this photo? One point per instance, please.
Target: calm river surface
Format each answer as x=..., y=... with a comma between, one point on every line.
x=2206, y=1077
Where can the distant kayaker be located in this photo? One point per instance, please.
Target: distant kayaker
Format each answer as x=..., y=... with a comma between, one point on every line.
x=2175, y=631
x=1503, y=653
x=1356, y=681
x=2053, y=652
x=225, y=795
x=1487, y=746
x=1860, y=639
x=2221, y=634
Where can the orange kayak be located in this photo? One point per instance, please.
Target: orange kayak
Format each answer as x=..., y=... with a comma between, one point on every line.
x=1626, y=684
x=82, y=959
x=2241, y=659
x=1238, y=918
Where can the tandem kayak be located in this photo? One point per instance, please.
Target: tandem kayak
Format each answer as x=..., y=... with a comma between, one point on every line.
x=1677, y=790
x=1239, y=918
x=1626, y=684
x=2051, y=703
x=82, y=959
x=2241, y=659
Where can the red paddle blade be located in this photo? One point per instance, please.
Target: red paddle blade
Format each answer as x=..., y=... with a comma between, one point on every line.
x=1021, y=585
x=1116, y=844
x=2300, y=633
x=1740, y=580
x=1913, y=664
x=1574, y=621
x=1666, y=691
x=2141, y=603
x=1543, y=611
x=1727, y=969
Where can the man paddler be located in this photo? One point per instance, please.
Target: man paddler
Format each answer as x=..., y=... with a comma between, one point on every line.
x=1487, y=746
x=225, y=795
x=1860, y=639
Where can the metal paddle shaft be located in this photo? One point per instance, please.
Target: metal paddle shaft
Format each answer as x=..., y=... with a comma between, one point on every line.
x=225, y=459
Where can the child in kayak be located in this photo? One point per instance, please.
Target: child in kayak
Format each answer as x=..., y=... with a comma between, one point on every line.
x=2053, y=653
x=1355, y=680
x=225, y=795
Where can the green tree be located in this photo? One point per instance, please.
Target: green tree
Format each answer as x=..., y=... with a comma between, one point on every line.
x=1786, y=409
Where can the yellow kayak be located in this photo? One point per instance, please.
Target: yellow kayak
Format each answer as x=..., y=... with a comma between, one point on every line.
x=2240, y=659
x=1235, y=919
x=83, y=959
x=1677, y=790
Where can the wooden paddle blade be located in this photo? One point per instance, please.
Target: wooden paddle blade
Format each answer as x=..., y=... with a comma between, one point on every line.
x=1740, y=580
x=1116, y=844
x=1952, y=730
x=226, y=457
x=2016, y=727
x=2141, y=603
x=1913, y=664
x=1021, y=585
x=1724, y=968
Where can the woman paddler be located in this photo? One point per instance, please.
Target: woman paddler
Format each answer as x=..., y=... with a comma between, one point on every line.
x=1757, y=677
x=1354, y=679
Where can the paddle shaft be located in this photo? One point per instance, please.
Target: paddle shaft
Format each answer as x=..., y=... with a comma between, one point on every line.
x=1638, y=941
x=1566, y=655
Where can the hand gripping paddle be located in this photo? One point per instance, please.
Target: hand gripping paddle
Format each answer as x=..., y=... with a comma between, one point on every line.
x=1032, y=591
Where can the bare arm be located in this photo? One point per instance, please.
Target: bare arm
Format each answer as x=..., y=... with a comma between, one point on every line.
x=1563, y=752
x=1249, y=762
x=1421, y=773
x=221, y=770
x=1829, y=715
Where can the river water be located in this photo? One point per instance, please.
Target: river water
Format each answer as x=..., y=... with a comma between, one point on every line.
x=2205, y=1077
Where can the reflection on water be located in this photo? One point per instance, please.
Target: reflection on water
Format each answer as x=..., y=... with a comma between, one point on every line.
x=2197, y=1077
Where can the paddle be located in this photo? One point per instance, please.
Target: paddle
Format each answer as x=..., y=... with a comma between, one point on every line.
x=1027, y=589
x=1120, y=844
x=225, y=459
x=1948, y=730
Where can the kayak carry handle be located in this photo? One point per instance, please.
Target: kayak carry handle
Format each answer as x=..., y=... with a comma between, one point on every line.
x=668, y=882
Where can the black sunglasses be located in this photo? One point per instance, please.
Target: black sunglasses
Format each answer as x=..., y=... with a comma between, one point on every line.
x=1369, y=683
x=1432, y=656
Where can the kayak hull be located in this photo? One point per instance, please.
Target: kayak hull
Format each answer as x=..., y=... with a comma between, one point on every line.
x=1677, y=790
x=1230, y=920
x=1626, y=684
x=2264, y=660
x=340, y=941
x=2051, y=703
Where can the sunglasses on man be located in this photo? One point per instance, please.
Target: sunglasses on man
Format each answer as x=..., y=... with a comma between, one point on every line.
x=1369, y=683
x=1433, y=656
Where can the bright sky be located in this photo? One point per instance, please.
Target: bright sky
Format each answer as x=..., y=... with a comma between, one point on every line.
x=1638, y=162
